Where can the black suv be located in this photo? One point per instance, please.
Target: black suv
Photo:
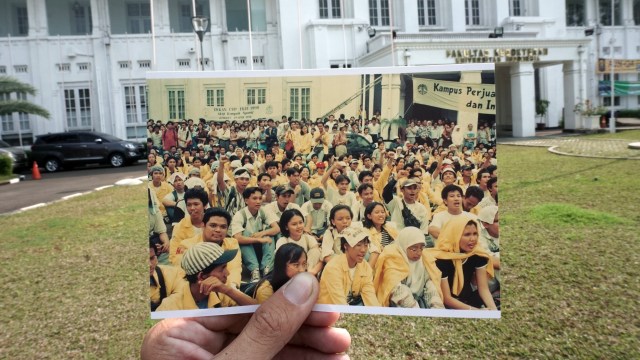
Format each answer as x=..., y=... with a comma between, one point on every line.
x=53, y=151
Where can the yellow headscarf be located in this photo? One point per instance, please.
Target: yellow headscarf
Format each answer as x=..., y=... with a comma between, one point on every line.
x=448, y=248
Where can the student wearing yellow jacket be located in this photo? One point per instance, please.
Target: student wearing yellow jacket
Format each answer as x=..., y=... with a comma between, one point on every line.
x=205, y=266
x=166, y=283
x=406, y=276
x=191, y=225
x=348, y=279
x=216, y=223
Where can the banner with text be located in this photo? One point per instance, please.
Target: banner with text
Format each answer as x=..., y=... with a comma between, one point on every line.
x=479, y=98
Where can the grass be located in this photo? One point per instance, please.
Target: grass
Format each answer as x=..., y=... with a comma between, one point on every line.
x=74, y=273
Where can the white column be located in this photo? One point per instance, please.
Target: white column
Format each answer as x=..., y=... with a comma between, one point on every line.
x=523, y=100
x=456, y=16
x=409, y=14
x=572, y=96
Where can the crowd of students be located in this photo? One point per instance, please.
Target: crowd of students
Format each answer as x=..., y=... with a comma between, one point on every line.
x=235, y=210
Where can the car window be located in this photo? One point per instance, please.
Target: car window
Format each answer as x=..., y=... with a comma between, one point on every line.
x=88, y=138
x=4, y=144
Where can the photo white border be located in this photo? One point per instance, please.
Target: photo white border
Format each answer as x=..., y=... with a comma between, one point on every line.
x=371, y=310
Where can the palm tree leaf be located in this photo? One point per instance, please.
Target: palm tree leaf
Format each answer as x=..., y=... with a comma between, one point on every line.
x=10, y=85
x=22, y=106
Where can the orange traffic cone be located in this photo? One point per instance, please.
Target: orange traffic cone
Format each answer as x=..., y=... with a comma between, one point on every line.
x=35, y=172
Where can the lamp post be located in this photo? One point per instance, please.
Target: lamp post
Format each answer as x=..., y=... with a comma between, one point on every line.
x=200, y=24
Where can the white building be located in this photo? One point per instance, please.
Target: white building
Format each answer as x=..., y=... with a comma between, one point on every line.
x=88, y=58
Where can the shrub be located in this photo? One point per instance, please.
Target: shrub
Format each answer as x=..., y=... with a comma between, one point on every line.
x=628, y=114
x=6, y=165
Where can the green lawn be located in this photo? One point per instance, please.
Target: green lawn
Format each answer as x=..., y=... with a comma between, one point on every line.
x=74, y=274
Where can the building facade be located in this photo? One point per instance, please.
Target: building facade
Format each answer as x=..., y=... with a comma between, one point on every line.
x=89, y=58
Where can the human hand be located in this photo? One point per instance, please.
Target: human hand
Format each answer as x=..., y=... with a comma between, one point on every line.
x=282, y=328
x=264, y=240
x=211, y=284
x=163, y=248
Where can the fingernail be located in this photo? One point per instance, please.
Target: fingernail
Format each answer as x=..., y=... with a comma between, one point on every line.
x=299, y=288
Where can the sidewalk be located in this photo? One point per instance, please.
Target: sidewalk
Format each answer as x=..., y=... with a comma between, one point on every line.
x=572, y=144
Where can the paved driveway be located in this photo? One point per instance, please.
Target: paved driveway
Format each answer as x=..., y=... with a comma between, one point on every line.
x=66, y=183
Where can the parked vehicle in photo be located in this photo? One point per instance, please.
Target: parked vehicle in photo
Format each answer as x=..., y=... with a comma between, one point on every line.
x=16, y=153
x=357, y=145
x=66, y=150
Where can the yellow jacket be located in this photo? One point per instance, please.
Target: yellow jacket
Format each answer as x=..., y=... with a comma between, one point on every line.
x=182, y=231
x=161, y=192
x=264, y=291
x=302, y=143
x=335, y=283
x=186, y=302
x=392, y=268
x=173, y=283
x=376, y=238
x=234, y=266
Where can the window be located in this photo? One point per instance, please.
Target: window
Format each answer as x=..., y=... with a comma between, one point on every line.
x=258, y=60
x=256, y=96
x=379, y=12
x=636, y=12
x=605, y=12
x=144, y=64
x=20, y=68
x=138, y=18
x=84, y=66
x=215, y=97
x=516, y=8
x=77, y=103
x=238, y=18
x=340, y=65
x=21, y=24
x=240, y=60
x=606, y=101
x=575, y=13
x=472, y=12
x=64, y=67
x=7, y=120
x=427, y=12
x=300, y=103
x=135, y=100
x=123, y=64
x=3, y=69
x=23, y=118
x=186, y=10
x=184, y=63
x=80, y=19
x=176, y=104
x=330, y=9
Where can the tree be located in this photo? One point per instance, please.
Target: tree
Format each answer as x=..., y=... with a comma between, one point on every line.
x=9, y=106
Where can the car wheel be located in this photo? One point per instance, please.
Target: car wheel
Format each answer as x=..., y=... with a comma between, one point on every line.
x=116, y=160
x=52, y=165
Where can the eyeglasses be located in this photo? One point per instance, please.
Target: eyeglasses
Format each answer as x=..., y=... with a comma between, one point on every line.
x=296, y=265
x=416, y=249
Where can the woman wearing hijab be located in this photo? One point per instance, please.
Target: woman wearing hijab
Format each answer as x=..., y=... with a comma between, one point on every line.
x=407, y=276
x=462, y=260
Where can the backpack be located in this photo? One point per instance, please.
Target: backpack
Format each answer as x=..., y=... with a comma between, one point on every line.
x=175, y=213
x=409, y=218
x=163, y=289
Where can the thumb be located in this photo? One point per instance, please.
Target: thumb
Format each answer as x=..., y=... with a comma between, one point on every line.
x=277, y=320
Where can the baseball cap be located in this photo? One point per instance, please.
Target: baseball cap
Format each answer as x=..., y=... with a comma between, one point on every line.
x=353, y=235
x=317, y=196
x=320, y=165
x=409, y=182
x=354, y=161
x=488, y=214
x=279, y=190
x=203, y=255
x=447, y=169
